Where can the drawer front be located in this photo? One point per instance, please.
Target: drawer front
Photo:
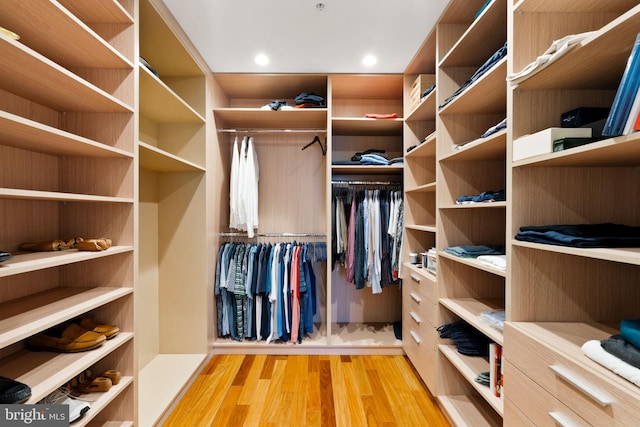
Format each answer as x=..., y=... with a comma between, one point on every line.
x=513, y=417
x=597, y=400
x=420, y=283
x=414, y=300
x=416, y=318
x=422, y=358
x=537, y=405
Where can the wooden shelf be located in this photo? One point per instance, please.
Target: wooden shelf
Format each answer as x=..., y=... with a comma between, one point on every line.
x=365, y=126
x=101, y=11
x=619, y=151
x=425, y=111
x=466, y=410
x=45, y=371
x=33, y=261
x=48, y=28
x=472, y=262
x=623, y=255
x=424, y=149
x=426, y=228
x=585, y=6
x=426, y=188
x=490, y=27
x=470, y=367
x=161, y=104
x=18, y=132
x=366, y=86
x=468, y=310
x=99, y=401
x=596, y=63
x=26, y=316
x=158, y=160
x=493, y=147
x=486, y=95
x=270, y=86
x=30, y=75
x=256, y=118
x=367, y=169
x=424, y=61
x=487, y=205
x=10, y=193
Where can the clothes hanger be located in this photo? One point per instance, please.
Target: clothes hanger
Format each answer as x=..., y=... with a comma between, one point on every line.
x=316, y=139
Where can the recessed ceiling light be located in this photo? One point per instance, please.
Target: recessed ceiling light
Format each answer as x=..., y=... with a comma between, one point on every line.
x=369, y=60
x=262, y=59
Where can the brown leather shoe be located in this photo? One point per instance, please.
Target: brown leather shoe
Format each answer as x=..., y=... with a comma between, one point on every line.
x=109, y=331
x=94, y=245
x=70, y=340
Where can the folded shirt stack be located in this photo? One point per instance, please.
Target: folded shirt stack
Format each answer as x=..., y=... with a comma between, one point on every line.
x=605, y=235
x=468, y=340
x=474, y=251
x=484, y=197
x=498, y=262
x=493, y=318
x=619, y=353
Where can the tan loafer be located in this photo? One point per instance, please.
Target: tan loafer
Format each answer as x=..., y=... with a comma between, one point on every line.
x=72, y=339
x=109, y=331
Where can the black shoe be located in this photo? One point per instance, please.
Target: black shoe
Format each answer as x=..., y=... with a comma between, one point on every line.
x=12, y=391
x=4, y=256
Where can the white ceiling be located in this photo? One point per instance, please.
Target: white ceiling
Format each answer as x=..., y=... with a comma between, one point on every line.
x=299, y=38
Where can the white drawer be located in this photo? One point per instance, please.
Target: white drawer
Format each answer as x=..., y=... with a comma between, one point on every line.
x=576, y=381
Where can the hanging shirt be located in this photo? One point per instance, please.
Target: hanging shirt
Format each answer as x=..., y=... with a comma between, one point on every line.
x=233, y=187
x=250, y=188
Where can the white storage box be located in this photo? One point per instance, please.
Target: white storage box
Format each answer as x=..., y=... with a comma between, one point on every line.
x=541, y=142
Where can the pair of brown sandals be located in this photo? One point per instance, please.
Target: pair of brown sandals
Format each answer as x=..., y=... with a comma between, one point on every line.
x=87, y=383
x=93, y=245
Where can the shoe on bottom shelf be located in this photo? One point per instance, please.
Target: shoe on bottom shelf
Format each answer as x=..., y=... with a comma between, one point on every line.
x=77, y=408
x=12, y=391
x=5, y=256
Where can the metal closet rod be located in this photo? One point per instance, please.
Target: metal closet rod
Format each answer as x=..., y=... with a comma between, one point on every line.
x=273, y=130
x=367, y=182
x=233, y=234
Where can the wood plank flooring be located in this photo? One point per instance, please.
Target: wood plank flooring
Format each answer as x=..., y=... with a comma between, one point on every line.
x=298, y=391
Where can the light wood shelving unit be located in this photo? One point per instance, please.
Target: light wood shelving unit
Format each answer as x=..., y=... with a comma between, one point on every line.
x=556, y=297
x=174, y=273
x=67, y=153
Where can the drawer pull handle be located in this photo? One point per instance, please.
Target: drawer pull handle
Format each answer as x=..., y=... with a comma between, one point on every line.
x=414, y=278
x=415, y=317
x=415, y=297
x=581, y=384
x=561, y=419
x=415, y=337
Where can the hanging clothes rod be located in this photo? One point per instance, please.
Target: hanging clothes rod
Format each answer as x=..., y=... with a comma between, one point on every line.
x=366, y=182
x=273, y=130
x=233, y=234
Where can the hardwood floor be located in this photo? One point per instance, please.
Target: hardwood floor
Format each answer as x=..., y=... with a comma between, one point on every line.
x=261, y=390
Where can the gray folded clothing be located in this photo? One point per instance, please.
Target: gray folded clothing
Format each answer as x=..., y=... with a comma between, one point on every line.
x=623, y=350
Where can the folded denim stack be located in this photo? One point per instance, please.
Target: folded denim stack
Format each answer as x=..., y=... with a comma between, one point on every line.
x=484, y=197
x=474, y=251
x=309, y=100
x=605, y=235
x=468, y=340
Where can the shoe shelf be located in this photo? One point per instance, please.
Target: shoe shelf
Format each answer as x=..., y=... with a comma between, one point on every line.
x=587, y=6
x=100, y=401
x=468, y=309
x=470, y=367
x=257, y=118
x=33, y=261
x=492, y=147
x=30, y=75
x=490, y=27
x=161, y=104
x=45, y=371
x=158, y=160
x=47, y=26
x=18, y=132
x=595, y=63
x=109, y=11
x=473, y=263
x=114, y=424
x=618, y=151
x=485, y=96
x=26, y=316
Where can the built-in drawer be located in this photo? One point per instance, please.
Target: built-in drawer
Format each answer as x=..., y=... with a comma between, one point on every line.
x=422, y=356
x=421, y=282
x=536, y=404
x=576, y=381
x=513, y=417
x=414, y=300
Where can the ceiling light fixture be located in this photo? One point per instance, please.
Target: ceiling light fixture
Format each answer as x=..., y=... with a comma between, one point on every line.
x=262, y=59
x=369, y=60
x=320, y=7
